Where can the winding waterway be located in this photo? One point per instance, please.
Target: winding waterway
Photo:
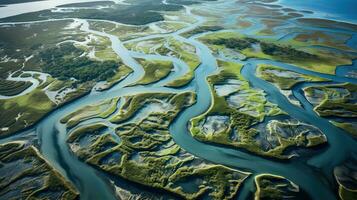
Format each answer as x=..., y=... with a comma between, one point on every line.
x=306, y=173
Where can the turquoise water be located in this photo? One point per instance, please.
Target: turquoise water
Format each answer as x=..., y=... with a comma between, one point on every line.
x=339, y=9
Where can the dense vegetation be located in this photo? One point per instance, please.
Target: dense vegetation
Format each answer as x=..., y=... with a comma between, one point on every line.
x=65, y=62
x=284, y=51
x=267, y=48
x=233, y=43
x=7, y=68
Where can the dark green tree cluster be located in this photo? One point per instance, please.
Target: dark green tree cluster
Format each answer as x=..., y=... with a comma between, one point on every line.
x=284, y=51
x=66, y=61
x=234, y=43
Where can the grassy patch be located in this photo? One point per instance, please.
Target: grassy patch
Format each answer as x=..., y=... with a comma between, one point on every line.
x=83, y=131
x=284, y=79
x=303, y=56
x=171, y=47
x=187, y=54
x=155, y=70
x=20, y=112
x=336, y=101
x=11, y=88
x=171, y=26
x=102, y=110
x=333, y=100
x=201, y=29
x=134, y=103
x=269, y=186
x=321, y=38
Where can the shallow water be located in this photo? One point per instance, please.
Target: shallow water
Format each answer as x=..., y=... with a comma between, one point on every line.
x=344, y=10
x=16, y=9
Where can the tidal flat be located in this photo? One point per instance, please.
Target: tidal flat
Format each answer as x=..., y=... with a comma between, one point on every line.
x=169, y=99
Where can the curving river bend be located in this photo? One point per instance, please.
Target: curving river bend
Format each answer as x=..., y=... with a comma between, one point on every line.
x=92, y=184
